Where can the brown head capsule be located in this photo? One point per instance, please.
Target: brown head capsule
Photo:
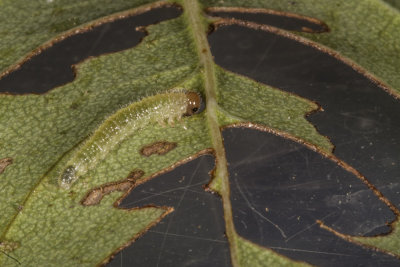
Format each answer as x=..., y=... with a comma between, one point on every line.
x=193, y=103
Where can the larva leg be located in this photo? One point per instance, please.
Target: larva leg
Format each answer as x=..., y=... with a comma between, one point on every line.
x=171, y=120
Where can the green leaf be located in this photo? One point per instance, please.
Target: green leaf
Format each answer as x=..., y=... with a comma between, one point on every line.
x=45, y=224
x=393, y=3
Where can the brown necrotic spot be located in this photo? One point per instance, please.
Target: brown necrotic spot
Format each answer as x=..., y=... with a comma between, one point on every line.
x=94, y=196
x=160, y=148
x=135, y=174
x=4, y=163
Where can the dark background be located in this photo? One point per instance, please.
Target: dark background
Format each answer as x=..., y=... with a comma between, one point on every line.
x=279, y=188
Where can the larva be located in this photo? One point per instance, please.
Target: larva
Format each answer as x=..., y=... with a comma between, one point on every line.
x=160, y=108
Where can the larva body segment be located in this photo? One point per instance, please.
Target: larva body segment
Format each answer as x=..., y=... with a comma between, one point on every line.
x=162, y=108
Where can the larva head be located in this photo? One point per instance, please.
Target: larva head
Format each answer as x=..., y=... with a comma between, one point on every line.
x=193, y=103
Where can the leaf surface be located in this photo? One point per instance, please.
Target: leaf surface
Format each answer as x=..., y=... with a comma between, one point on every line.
x=43, y=223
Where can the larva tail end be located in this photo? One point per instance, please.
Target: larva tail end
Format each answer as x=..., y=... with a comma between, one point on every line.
x=67, y=177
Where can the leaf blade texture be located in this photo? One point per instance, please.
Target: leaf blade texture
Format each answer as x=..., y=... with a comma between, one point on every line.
x=43, y=223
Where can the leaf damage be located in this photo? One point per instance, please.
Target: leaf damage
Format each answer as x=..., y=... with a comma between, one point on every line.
x=4, y=163
x=307, y=24
x=256, y=26
x=159, y=148
x=96, y=195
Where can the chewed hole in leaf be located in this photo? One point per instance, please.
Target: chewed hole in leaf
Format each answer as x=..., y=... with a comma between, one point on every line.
x=53, y=66
x=359, y=117
x=159, y=76
x=188, y=233
x=280, y=188
x=284, y=20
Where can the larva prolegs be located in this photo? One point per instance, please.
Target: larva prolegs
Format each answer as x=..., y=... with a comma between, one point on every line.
x=160, y=108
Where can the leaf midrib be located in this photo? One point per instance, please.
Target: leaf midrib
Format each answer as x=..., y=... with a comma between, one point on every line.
x=197, y=24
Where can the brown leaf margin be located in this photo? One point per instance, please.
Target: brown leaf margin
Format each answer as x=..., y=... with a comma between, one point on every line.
x=323, y=25
x=350, y=238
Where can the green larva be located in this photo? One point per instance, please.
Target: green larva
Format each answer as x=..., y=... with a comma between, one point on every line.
x=161, y=108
